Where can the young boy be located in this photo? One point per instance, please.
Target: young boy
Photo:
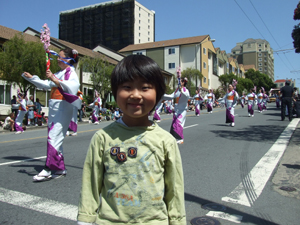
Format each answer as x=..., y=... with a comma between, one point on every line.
x=133, y=167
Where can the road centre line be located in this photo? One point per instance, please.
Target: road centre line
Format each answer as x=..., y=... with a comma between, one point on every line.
x=261, y=172
x=44, y=205
x=191, y=126
x=31, y=159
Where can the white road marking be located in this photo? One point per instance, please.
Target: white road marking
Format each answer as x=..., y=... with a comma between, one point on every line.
x=260, y=174
x=225, y=216
x=190, y=126
x=39, y=204
x=13, y=162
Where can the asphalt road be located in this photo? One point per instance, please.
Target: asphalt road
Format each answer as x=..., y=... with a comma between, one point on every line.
x=232, y=174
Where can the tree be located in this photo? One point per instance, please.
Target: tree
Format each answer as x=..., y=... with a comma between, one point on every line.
x=243, y=84
x=192, y=75
x=259, y=79
x=18, y=56
x=296, y=30
x=100, y=71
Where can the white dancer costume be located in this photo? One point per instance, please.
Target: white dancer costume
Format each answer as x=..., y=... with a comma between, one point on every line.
x=197, y=100
x=61, y=103
x=210, y=97
x=21, y=113
x=180, y=111
x=96, y=105
x=73, y=124
x=157, y=111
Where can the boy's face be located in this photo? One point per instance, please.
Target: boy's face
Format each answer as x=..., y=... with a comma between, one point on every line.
x=136, y=99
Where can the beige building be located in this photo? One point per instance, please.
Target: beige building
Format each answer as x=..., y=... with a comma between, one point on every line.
x=255, y=52
x=191, y=52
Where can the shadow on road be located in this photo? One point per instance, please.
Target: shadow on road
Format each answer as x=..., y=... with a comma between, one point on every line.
x=255, y=133
x=247, y=218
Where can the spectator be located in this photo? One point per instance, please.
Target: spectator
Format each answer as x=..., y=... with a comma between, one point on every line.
x=30, y=106
x=38, y=106
x=117, y=114
x=286, y=100
x=14, y=109
x=9, y=122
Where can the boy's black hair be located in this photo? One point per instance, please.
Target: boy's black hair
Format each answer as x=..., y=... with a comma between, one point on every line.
x=138, y=66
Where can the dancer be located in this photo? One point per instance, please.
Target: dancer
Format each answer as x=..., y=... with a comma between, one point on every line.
x=64, y=86
x=133, y=170
x=252, y=99
x=21, y=103
x=265, y=99
x=96, y=105
x=73, y=124
x=210, y=97
x=179, y=116
x=156, y=116
x=278, y=100
x=260, y=97
x=198, y=100
x=242, y=99
x=230, y=98
x=169, y=106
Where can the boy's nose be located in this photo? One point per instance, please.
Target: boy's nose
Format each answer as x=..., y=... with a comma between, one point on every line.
x=135, y=93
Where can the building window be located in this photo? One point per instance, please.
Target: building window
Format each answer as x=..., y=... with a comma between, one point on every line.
x=139, y=53
x=5, y=94
x=148, y=20
x=259, y=45
x=148, y=39
x=139, y=34
x=139, y=40
x=139, y=28
x=171, y=65
x=233, y=52
x=204, y=51
x=204, y=65
x=148, y=14
x=249, y=45
x=259, y=54
x=139, y=21
x=259, y=64
x=139, y=15
x=148, y=32
x=227, y=65
x=260, y=69
x=204, y=79
x=171, y=51
x=259, y=49
x=148, y=27
x=259, y=59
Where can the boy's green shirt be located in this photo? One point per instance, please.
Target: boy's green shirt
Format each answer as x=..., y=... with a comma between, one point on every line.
x=138, y=172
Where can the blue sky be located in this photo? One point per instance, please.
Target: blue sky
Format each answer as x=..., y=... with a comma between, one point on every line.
x=226, y=21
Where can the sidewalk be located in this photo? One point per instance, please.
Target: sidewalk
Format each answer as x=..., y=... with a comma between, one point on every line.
x=286, y=180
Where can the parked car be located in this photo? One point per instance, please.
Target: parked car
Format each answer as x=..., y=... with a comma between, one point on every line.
x=272, y=99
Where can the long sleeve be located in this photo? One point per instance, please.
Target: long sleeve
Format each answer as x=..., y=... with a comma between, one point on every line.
x=92, y=180
x=174, y=186
x=42, y=84
x=235, y=99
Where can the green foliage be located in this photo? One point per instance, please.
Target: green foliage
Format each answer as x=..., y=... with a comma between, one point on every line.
x=19, y=56
x=169, y=90
x=260, y=80
x=192, y=75
x=100, y=71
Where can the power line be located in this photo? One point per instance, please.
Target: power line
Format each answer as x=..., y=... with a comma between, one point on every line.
x=270, y=34
x=249, y=19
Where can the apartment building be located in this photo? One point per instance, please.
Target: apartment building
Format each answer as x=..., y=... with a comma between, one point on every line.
x=255, y=52
x=114, y=24
x=192, y=52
